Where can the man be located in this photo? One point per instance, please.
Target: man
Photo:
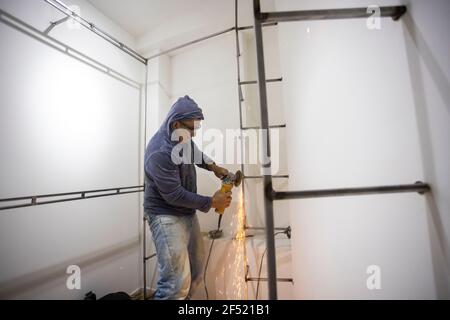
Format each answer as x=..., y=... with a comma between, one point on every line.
x=171, y=200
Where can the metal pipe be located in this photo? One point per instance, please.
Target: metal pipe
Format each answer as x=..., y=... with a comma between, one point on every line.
x=261, y=228
x=395, y=12
x=82, y=196
x=40, y=36
x=151, y=256
x=255, y=82
x=34, y=203
x=145, y=148
x=59, y=5
x=236, y=28
x=146, y=107
x=144, y=254
x=268, y=203
x=270, y=24
x=241, y=98
x=67, y=193
x=261, y=177
x=190, y=43
x=279, y=126
x=266, y=279
x=419, y=187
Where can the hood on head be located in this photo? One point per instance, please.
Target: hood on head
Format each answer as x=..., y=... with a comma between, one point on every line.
x=184, y=109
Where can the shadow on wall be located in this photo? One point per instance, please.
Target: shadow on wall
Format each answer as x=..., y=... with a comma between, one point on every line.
x=417, y=50
x=42, y=37
x=46, y=278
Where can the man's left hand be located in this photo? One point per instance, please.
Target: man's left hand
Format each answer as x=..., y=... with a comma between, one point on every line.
x=219, y=171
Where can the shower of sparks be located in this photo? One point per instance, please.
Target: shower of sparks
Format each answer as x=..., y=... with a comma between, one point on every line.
x=239, y=266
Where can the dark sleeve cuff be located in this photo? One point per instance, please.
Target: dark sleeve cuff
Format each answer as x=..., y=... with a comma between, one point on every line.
x=207, y=205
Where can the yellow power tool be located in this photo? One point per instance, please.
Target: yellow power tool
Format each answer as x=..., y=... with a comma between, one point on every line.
x=228, y=182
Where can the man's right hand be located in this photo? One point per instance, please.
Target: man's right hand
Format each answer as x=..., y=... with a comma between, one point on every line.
x=221, y=200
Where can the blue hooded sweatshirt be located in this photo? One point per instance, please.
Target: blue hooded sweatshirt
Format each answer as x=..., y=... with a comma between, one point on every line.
x=171, y=188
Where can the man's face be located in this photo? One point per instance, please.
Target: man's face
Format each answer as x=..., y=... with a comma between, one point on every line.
x=191, y=126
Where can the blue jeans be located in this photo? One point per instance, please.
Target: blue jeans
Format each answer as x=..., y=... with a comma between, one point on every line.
x=180, y=252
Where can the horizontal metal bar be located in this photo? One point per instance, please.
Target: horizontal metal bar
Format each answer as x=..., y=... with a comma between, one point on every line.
x=150, y=257
x=270, y=24
x=191, y=43
x=203, y=39
x=419, y=187
x=83, y=195
x=242, y=83
x=261, y=228
x=395, y=12
x=68, y=193
x=273, y=177
x=278, y=126
x=59, y=5
x=265, y=279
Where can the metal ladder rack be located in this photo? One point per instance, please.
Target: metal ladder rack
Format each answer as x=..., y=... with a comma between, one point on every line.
x=243, y=128
x=260, y=18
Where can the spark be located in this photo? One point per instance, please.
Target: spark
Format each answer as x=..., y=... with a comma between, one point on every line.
x=239, y=284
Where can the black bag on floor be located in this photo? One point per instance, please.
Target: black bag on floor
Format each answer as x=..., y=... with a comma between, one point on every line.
x=116, y=296
x=111, y=296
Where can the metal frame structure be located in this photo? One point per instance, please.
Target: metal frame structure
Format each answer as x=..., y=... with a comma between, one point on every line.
x=270, y=194
x=255, y=279
x=240, y=84
x=93, y=28
x=418, y=187
x=34, y=200
x=394, y=12
x=145, y=258
x=44, y=37
x=212, y=35
x=68, y=196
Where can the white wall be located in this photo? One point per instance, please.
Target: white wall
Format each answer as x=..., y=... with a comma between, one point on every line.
x=368, y=108
x=429, y=68
x=66, y=126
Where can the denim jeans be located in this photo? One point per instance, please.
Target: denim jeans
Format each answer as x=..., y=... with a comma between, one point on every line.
x=180, y=252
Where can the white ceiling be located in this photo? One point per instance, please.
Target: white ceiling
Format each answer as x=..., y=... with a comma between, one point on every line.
x=139, y=16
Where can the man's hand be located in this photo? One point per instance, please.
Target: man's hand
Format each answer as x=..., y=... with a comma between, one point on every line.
x=221, y=200
x=219, y=171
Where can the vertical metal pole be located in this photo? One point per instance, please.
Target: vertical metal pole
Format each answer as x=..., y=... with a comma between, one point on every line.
x=240, y=97
x=144, y=232
x=238, y=55
x=144, y=226
x=268, y=202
